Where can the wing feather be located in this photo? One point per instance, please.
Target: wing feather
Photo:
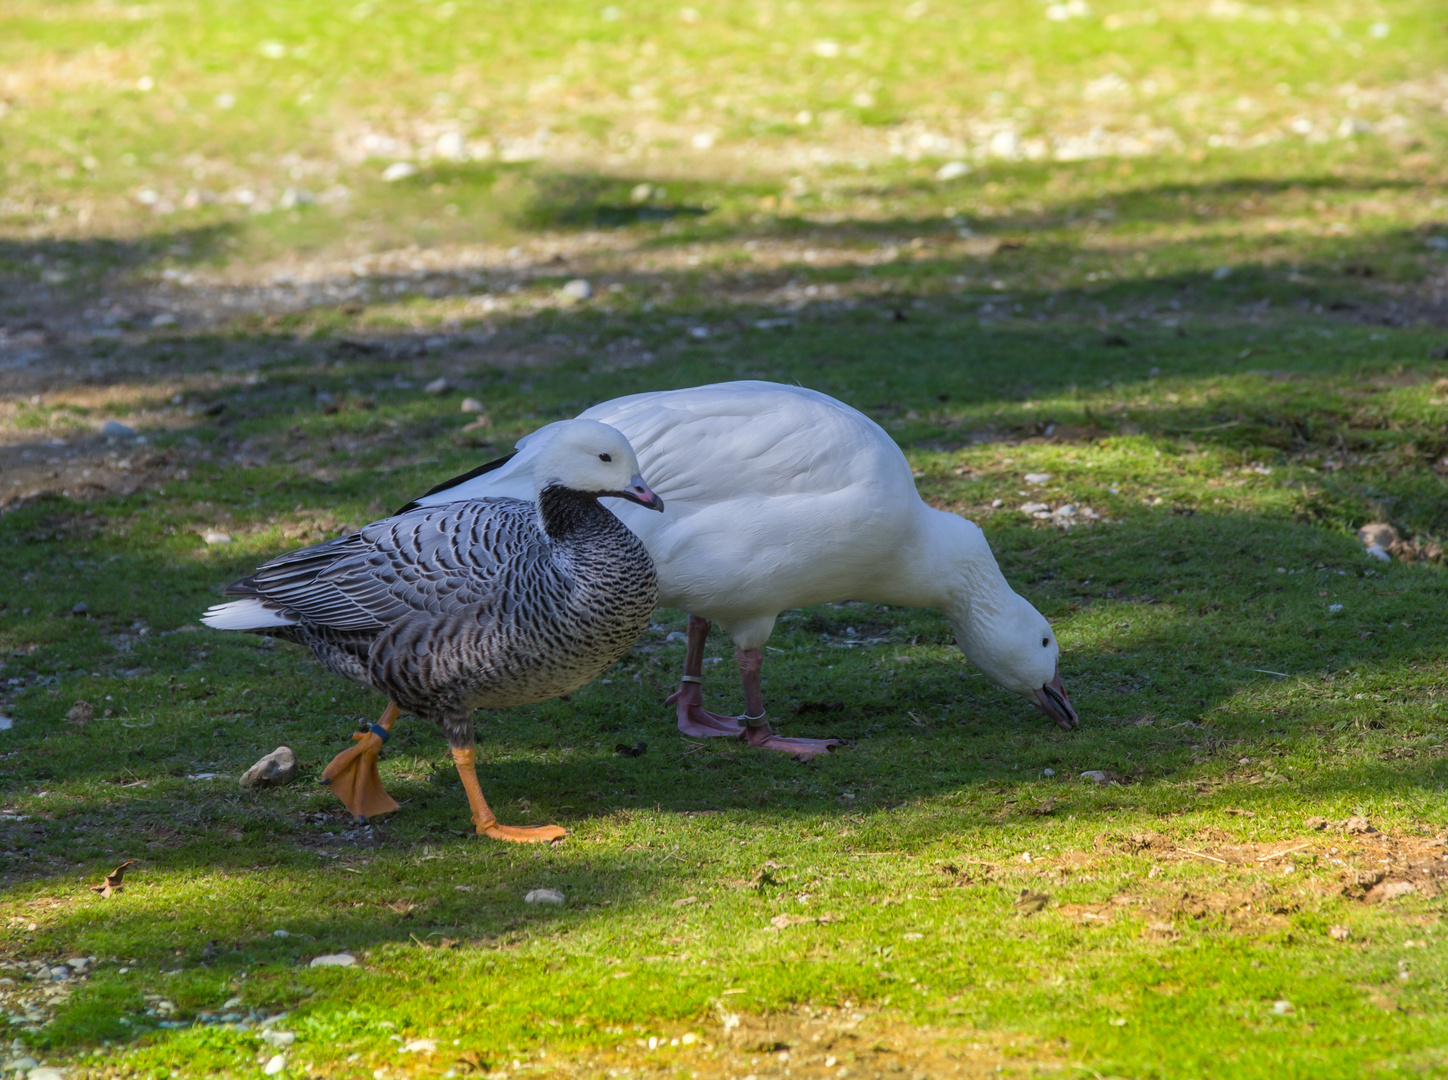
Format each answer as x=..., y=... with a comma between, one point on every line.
x=429, y=561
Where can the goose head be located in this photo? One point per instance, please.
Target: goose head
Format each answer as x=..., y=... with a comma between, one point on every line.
x=594, y=459
x=1014, y=646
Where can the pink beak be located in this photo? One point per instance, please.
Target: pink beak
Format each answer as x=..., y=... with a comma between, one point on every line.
x=639, y=492
x=1051, y=699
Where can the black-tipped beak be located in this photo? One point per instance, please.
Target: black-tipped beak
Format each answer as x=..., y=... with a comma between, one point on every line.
x=1051, y=699
x=639, y=492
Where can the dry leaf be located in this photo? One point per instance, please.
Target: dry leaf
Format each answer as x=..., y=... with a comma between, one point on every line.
x=112, y=883
x=1028, y=903
x=470, y=1061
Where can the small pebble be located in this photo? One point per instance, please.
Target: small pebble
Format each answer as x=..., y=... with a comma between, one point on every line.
x=275, y=770
x=79, y=609
x=45, y=1072
x=1038, y=478
x=280, y=1039
x=1095, y=775
x=1048, y=772
x=472, y=405
x=334, y=960
x=437, y=386
x=280, y=933
x=544, y=896
x=213, y=537
x=275, y=1065
x=952, y=170
x=398, y=170
x=577, y=289
x=162, y=320
x=116, y=429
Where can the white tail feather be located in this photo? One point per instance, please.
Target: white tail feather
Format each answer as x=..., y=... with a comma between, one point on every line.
x=249, y=614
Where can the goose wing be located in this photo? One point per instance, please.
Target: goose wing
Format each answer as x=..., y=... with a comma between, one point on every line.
x=431, y=561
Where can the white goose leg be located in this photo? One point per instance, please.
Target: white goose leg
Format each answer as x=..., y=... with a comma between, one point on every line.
x=688, y=699
x=757, y=732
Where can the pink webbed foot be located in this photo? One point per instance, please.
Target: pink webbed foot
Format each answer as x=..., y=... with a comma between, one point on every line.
x=696, y=720
x=761, y=737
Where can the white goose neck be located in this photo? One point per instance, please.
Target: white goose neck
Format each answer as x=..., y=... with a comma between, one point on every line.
x=961, y=571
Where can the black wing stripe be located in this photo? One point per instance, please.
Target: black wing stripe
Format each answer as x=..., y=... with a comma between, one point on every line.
x=456, y=480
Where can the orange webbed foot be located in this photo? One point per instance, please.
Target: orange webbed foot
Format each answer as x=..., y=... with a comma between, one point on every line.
x=523, y=834
x=353, y=777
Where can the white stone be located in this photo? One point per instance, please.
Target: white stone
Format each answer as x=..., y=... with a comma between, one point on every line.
x=45, y=1072
x=277, y=768
x=1038, y=477
x=275, y=1065
x=577, y=289
x=1221, y=273
x=703, y=140
x=280, y=1039
x=1034, y=508
x=212, y=536
x=334, y=960
x=116, y=429
x=1375, y=552
x=163, y=319
x=1096, y=776
x=1048, y=772
x=951, y=170
x=545, y=896
x=437, y=386
x=1005, y=144
x=452, y=146
x=472, y=405
x=399, y=170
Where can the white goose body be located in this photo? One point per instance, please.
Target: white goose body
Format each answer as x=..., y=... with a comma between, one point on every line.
x=779, y=497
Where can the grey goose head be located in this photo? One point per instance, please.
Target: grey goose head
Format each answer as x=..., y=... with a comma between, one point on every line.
x=592, y=459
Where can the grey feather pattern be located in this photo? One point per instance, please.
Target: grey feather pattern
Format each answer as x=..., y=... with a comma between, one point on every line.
x=485, y=603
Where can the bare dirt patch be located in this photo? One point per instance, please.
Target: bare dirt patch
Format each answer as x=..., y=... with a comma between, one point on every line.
x=833, y=1043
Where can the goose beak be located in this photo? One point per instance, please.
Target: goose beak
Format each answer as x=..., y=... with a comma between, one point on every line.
x=1051, y=699
x=639, y=492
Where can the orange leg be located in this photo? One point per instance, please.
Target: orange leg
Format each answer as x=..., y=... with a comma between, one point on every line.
x=466, y=760
x=353, y=773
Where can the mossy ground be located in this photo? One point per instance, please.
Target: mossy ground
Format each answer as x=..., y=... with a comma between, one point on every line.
x=1225, y=337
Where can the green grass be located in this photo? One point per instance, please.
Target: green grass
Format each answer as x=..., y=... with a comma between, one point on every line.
x=1221, y=332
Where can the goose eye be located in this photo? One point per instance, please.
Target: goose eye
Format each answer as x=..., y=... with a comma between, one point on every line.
x=1045, y=643
x=604, y=457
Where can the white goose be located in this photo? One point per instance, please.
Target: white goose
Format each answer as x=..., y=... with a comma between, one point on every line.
x=778, y=497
